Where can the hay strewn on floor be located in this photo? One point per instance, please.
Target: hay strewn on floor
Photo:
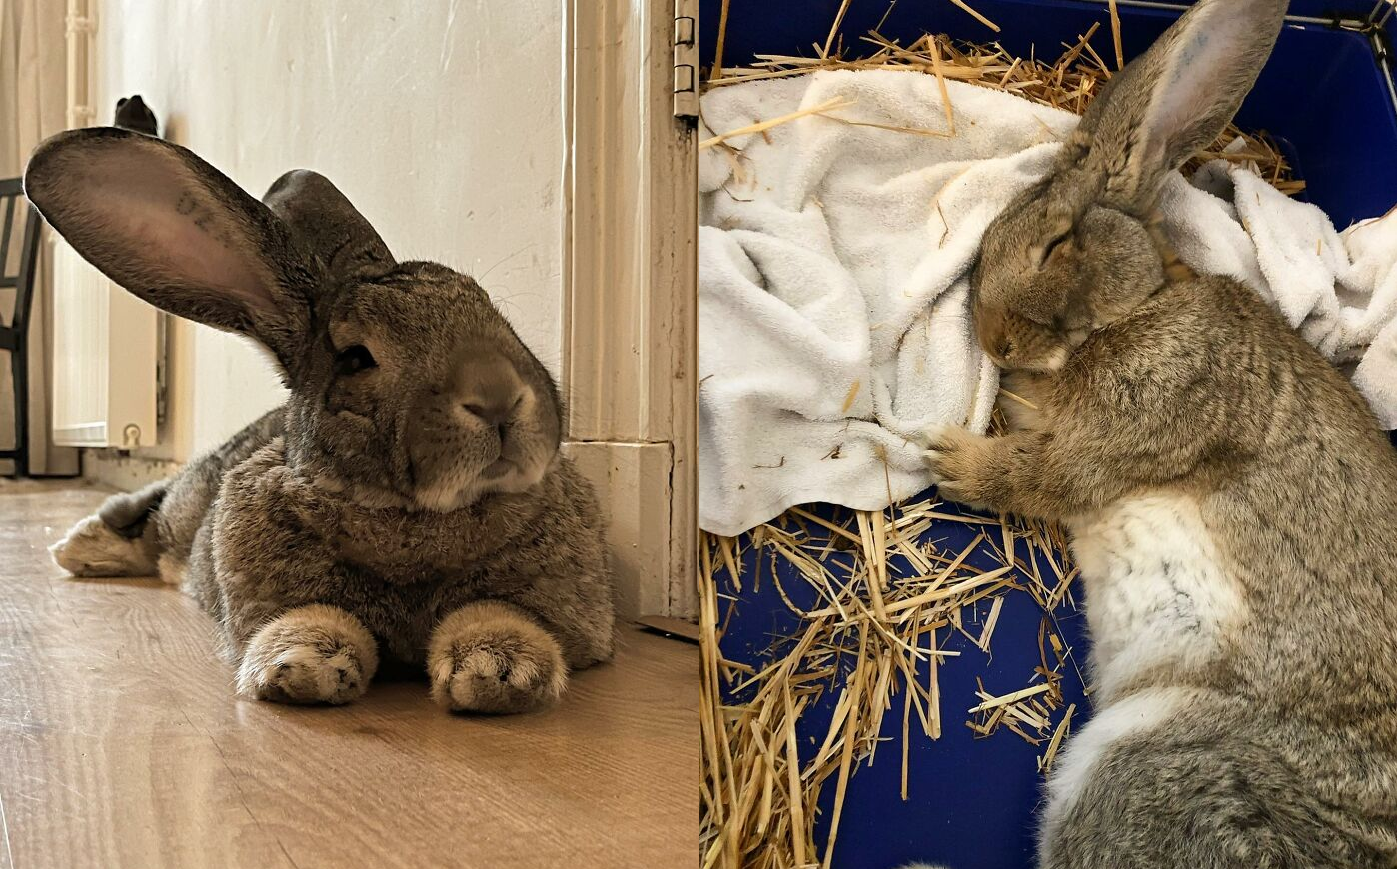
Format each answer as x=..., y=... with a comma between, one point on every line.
x=874, y=623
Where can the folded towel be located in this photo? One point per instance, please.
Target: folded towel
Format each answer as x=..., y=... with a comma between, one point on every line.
x=834, y=318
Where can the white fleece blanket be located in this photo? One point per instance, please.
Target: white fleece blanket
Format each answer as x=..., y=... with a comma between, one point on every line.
x=833, y=265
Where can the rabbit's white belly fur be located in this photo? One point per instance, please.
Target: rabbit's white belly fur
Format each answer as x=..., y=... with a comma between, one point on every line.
x=1156, y=595
x=1156, y=591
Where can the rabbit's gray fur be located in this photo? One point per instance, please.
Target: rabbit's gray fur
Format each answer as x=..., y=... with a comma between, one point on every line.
x=407, y=500
x=1229, y=495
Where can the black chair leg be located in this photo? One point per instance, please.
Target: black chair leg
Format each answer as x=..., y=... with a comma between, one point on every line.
x=19, y=367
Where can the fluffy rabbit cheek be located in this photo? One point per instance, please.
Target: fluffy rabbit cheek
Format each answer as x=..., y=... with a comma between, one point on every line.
x=447, y=468
x=1028, y=351
x=1016, y=343
x=457, y=461
x=1037, y=349
x=529, y=455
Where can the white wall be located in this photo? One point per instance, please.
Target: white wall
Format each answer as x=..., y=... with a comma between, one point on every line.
x=442, y=121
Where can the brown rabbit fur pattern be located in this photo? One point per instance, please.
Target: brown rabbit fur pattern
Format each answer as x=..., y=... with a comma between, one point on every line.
x=1229, y=496
x=407, y=502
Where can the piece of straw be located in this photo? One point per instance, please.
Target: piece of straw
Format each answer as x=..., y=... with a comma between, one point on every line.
x=834, y=27
x=978, y=17
x=761, y=126
x=1115, y=32
x=717, y=71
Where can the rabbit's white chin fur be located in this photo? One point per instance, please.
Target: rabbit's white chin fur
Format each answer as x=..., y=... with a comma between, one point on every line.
x=463, y=490
x=443, y=496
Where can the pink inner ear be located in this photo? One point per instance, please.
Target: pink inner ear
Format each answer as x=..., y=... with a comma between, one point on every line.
x=1195, y=83
x=165, y=226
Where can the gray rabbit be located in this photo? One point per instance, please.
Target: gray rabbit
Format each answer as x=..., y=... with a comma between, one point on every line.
x=408, y=500
x=1231, y=500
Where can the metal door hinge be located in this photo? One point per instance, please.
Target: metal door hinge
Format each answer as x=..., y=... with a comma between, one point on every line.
x=686, y=72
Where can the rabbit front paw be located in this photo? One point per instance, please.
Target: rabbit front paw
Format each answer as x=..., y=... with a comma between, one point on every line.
x=963, y=466
x=490, y=656
x=311, y=654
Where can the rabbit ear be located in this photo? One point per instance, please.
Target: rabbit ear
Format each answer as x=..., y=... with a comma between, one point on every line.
x=330, y=225
x=176, y=232
x=1177, y=97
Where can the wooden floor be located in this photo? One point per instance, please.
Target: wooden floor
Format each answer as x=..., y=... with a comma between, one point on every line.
x=122, y=745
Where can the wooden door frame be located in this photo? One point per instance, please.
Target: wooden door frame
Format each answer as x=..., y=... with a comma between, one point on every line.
x=630, y=348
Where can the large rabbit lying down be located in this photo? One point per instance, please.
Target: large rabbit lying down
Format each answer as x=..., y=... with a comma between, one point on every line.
x=407, y=501
x=1232, y=502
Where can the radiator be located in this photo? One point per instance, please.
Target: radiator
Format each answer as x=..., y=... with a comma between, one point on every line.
x=106, y=349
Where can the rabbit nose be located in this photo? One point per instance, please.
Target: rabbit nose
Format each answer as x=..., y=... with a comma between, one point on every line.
x=490, y=390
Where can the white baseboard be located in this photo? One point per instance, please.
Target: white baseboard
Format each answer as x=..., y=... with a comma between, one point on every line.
x=125, y=472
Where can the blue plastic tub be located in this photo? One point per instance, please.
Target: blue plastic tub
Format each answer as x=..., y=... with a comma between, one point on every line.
x=1327, y=97
x=970, y=798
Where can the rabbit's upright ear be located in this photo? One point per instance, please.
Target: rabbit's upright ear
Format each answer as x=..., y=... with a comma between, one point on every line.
x=176, y=232
x=330, y=225
x=1176, y=98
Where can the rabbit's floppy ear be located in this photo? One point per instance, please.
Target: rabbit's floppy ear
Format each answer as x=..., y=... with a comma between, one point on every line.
x=1176, y=98
x=176, y=232
x=330, y=225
